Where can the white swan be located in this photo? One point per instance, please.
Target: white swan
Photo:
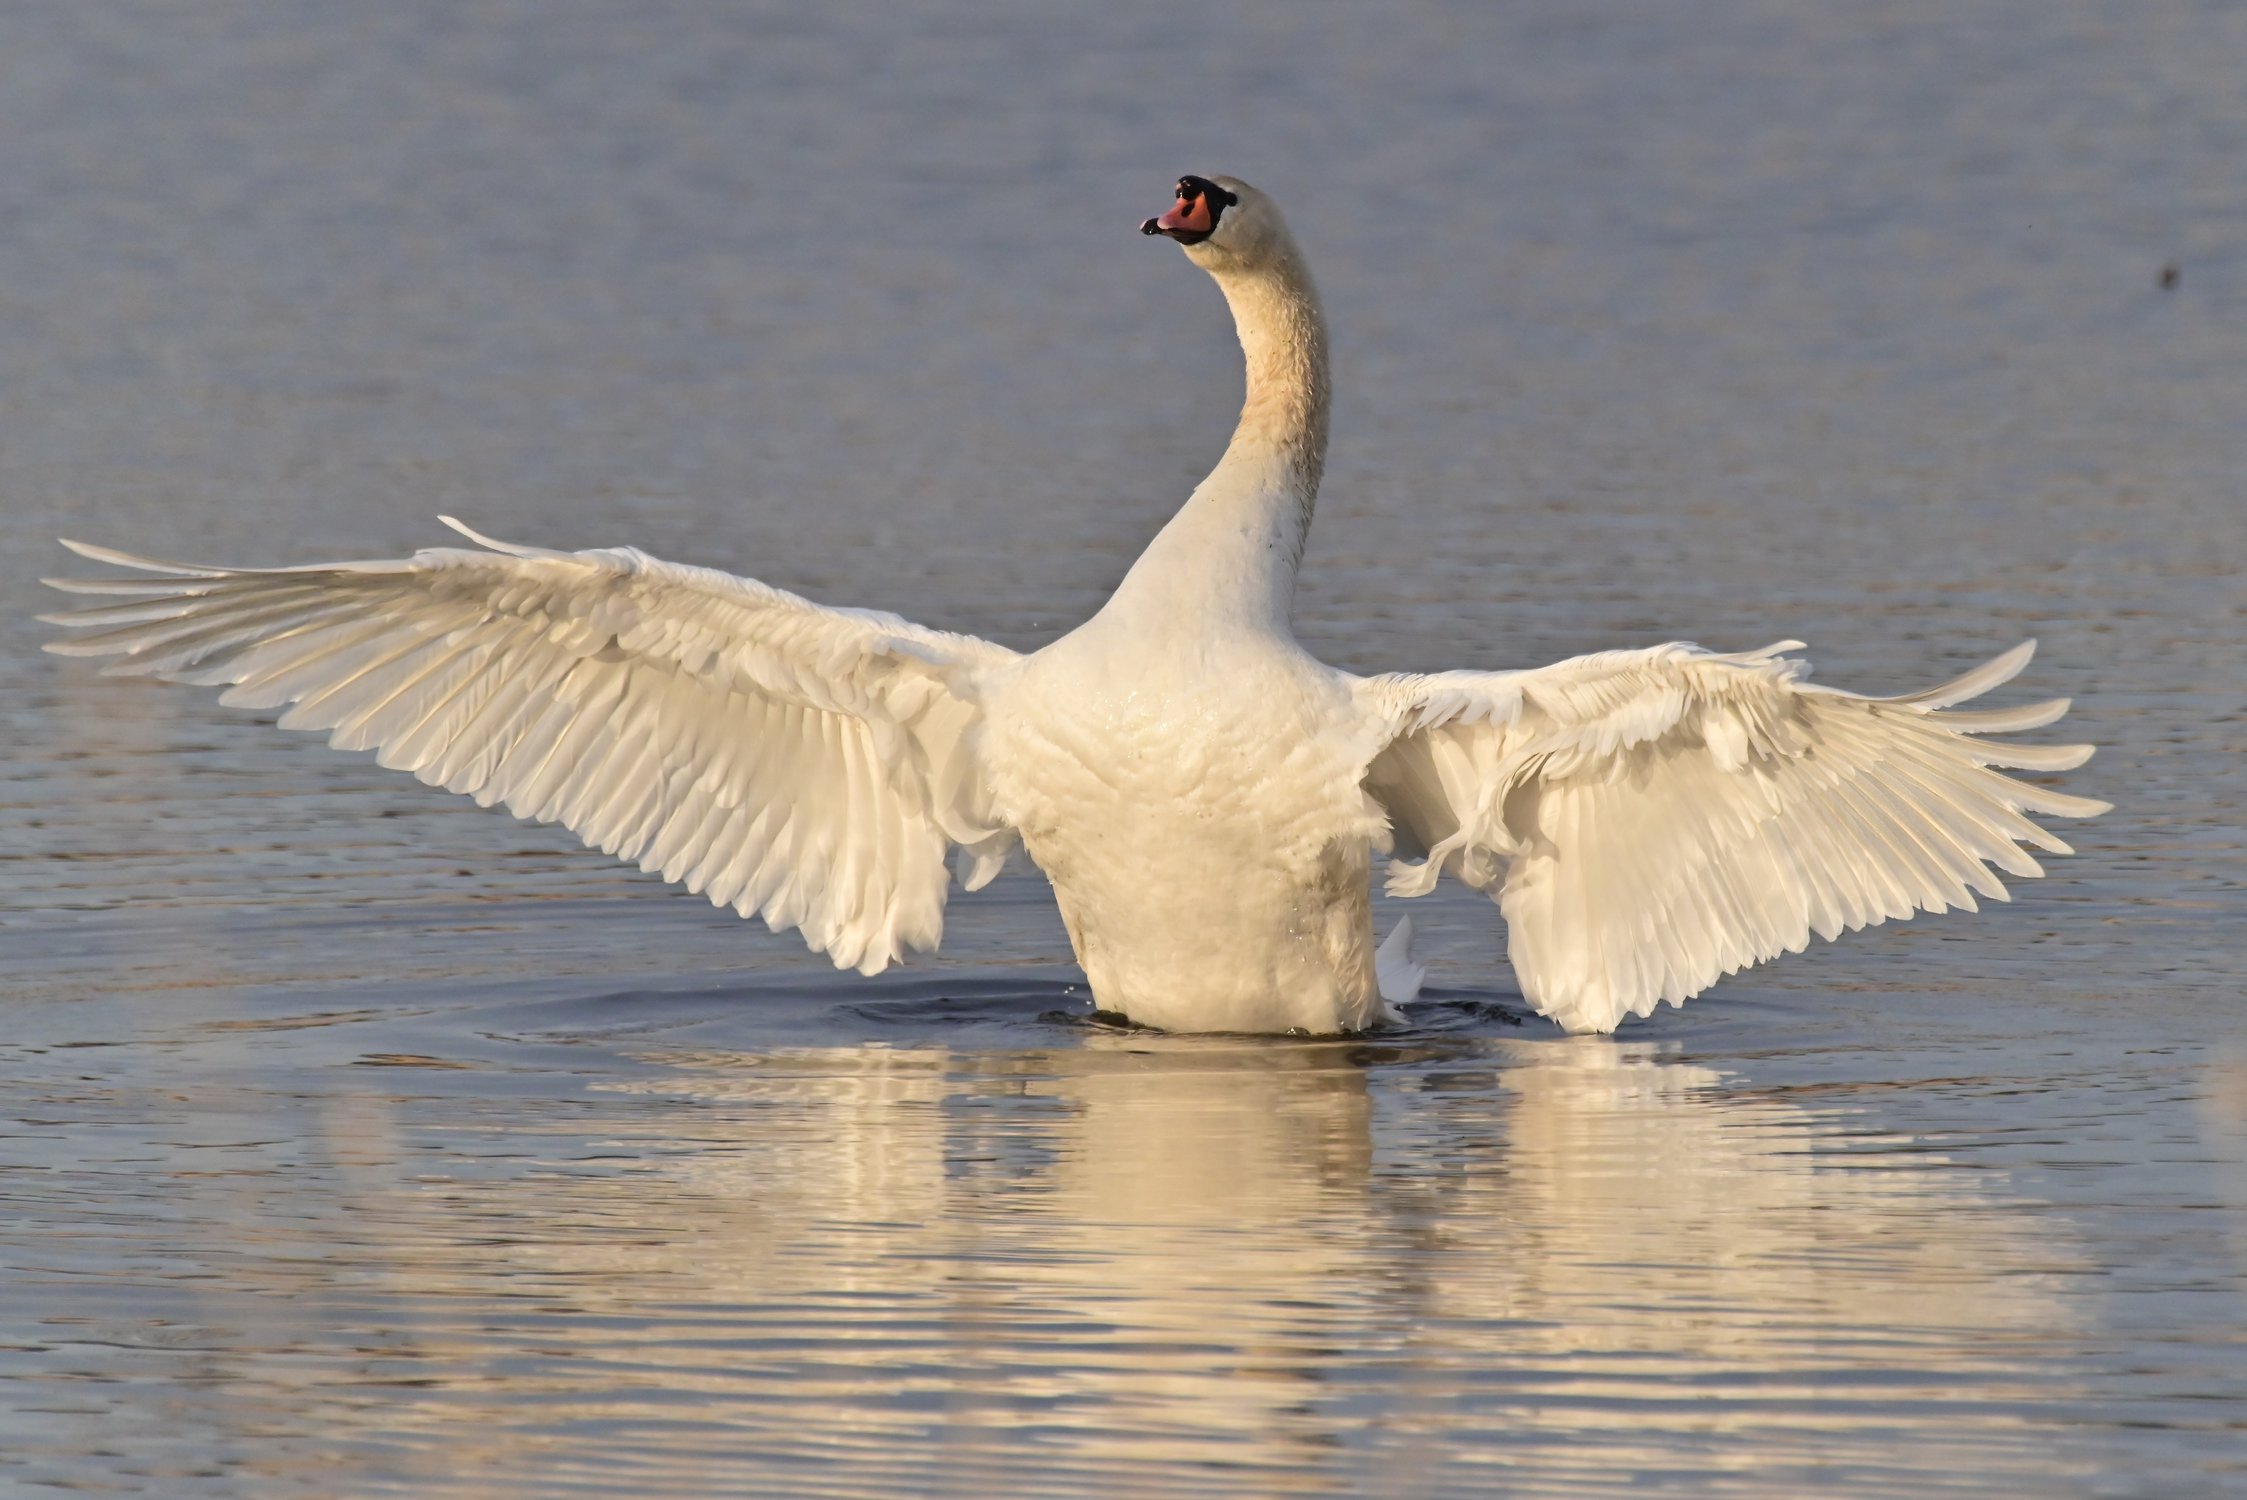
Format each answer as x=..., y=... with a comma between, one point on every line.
x=1205, y=796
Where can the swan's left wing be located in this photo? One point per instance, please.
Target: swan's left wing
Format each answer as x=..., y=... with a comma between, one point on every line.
x=806, y=764
x=1653, y=820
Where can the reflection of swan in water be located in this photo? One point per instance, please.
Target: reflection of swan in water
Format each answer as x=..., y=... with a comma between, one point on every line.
x=1124, y=1259
x=1108, y=1227
x=1206, y=1132
x=1659, y=1210
x=1191, y=1245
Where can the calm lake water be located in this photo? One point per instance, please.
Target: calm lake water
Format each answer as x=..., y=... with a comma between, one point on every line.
x=355, y=1142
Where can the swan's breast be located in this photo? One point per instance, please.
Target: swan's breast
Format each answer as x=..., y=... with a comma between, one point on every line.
x=1239, y=751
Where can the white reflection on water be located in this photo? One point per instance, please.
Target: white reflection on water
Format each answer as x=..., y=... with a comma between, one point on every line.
x=1168, y=1253
x=1102, y=1263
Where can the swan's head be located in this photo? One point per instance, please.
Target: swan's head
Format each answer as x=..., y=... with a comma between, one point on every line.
x=1223, y=223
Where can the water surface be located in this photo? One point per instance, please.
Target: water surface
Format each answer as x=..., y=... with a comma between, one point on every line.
x=359, y=1142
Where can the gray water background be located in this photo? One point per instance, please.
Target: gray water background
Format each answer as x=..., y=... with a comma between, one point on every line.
x=356, y=1142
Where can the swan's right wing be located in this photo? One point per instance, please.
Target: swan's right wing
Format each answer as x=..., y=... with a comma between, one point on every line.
x=807, y=764
x=1650, y=821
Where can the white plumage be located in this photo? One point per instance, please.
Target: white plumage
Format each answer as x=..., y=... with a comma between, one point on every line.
x=1205, y=796
x=803, y=764
x=1650, y=821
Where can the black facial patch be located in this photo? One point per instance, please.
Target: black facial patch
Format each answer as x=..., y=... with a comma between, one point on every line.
x=1194, y=192
x=1191, y=187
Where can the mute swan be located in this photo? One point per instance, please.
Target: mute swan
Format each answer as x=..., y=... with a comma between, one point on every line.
x=1205, y=797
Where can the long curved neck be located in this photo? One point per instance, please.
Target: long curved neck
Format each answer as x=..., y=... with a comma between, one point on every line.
x=1232, y=550
x=1281, y=436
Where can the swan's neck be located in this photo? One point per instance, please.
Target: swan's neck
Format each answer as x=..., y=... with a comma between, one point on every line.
x=1232, y=551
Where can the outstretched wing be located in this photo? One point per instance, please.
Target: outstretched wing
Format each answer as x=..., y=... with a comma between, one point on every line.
x=1654, y=820
x=810, y=765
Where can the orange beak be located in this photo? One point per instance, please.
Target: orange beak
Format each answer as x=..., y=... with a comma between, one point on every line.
x=1190, y=213
x=1188, y=221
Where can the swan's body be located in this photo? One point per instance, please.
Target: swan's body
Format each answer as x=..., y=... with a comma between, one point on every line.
x=1204, y=795
x=1197, y=807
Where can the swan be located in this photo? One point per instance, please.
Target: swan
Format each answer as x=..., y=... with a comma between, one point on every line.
x=1204, y=795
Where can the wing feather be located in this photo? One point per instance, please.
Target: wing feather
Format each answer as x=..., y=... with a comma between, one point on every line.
x=804, y=764
x=1653, y=820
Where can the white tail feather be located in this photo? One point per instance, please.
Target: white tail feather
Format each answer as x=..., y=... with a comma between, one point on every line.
x=1394, y=972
